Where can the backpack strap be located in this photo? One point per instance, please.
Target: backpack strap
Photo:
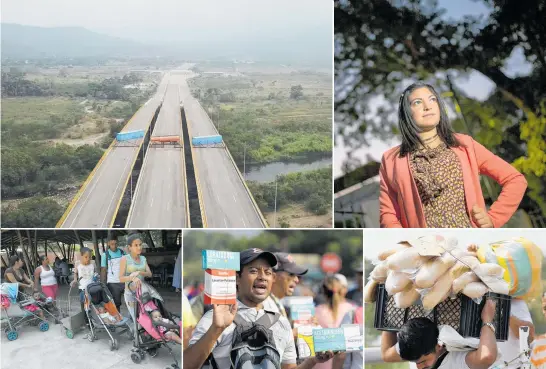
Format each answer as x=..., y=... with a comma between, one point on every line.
x=241, y=322
x=268, y=319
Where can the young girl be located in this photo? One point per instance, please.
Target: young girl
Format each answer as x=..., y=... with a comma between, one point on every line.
x=132, y=270
x=433, y=178
x=83, y=274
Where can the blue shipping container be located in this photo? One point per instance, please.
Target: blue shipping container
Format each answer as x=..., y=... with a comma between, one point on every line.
x=206, y=140
x=132, y=135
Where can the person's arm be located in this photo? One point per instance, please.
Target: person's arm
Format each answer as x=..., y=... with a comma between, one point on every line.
x=148, y=272
x=103, y=268
x=11, y=278
x=513, y=184
x=516, y=323
x=75, y=281
x=196, y=354
x=36, y=279
x=486, y=354
x=388, y=348
x=310, y=362
x=389, y=211
x=122, y=268
x=339, y=360
x=27, y=279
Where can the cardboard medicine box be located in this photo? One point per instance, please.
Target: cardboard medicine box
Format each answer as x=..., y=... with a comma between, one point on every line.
x=354, y=338
x=220, y=287
x=220, y=279
x=224, y=260
x=329, y=339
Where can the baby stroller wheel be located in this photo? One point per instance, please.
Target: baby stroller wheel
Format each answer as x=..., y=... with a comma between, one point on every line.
x=136, y=358
x=114, y=345
x=69, y=333
x=44, y=326
x=91, y=337
x=142, y=354
x=12, y=335
x=152, y=352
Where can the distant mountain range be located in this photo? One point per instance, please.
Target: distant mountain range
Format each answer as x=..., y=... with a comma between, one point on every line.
x=30, y=42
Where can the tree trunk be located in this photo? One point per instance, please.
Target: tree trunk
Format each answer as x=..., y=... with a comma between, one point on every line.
x=96, y=246
x=25, y=256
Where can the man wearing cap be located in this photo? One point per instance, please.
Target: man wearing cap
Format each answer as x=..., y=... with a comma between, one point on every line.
x=214, y=332
x=109, y=271
x=287, y=274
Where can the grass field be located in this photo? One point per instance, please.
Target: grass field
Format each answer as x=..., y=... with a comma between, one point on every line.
x=255, y=111
x=32, y=109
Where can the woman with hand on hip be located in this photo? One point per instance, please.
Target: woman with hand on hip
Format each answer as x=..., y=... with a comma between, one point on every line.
x=45, y=275
x=432, y=180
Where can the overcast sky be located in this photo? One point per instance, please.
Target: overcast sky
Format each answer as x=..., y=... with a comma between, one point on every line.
x=175, y=20
x=376, y=240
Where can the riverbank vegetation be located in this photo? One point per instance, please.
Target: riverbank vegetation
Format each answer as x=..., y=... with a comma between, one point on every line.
x=55, y=127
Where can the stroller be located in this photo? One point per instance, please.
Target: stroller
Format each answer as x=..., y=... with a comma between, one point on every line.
x=10, y=294
x=102, y=313
x=148, y=336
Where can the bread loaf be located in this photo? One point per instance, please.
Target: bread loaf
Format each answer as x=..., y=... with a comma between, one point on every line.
x=399, y=247
x=475, y=290
x=396, y=282
x=460, y=283
x=438, y=292
x=407, y=297
x=433, y=269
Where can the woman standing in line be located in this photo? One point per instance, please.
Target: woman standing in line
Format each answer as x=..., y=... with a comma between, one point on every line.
x=45, y=275
x=432, y=180
x=331, y=313
x=133, y=267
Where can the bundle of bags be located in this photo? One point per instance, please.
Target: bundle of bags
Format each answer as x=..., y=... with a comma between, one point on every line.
x=432, y=269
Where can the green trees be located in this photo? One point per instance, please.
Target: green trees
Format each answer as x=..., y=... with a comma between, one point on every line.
x=296, y=92
x=312, y=188
x=36, y=212
x=41, y=169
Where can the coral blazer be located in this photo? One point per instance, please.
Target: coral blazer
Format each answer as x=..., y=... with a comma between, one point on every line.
x=400, y=205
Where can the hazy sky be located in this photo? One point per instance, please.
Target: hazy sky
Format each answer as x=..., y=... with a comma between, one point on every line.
x=176, y=20
x=376, y=241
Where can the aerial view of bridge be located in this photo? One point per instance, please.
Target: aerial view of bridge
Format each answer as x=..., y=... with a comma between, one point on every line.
x=142, y=179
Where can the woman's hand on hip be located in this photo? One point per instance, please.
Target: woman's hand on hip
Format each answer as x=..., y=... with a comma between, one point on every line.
x=481, y=218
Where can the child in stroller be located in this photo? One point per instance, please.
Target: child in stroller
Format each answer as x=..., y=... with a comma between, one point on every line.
x=152, y=333
x=165, y=326
x=33, y=307
x=102, y=313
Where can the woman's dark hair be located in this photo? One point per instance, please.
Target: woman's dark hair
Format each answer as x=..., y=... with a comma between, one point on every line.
x=13, y=259
x=85, y=250
x=408, y=128
x=132, y=238
x=417, y=337
x=42, y=258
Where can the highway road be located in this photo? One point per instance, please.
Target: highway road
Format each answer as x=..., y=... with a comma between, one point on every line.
x=227, y=203
x=96, y=203
x=160, y=199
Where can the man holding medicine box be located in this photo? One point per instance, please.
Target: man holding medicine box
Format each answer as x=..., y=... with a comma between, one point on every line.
x=211, y=343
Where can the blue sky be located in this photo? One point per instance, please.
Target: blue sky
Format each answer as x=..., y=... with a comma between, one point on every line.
x=475, y=85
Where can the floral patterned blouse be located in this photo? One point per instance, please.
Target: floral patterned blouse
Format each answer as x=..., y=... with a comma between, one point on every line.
x=439, y=179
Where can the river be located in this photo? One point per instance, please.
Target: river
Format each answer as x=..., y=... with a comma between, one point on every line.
x=267, y=172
